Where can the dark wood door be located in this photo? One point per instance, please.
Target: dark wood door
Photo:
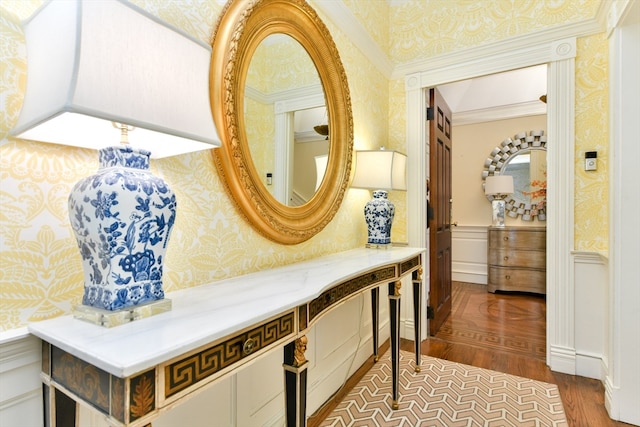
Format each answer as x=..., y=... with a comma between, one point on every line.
x=440, y=200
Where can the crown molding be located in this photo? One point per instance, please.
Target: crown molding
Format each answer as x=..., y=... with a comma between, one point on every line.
x=503, y=112
x=308, y=96
x=344, y=19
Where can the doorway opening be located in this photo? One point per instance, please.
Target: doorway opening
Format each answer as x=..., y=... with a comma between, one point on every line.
x=485, y=111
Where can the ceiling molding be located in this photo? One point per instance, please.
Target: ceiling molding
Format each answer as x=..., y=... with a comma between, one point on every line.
x=308, y=136
x=344, y=19
x=308, y=96
x=502, y=112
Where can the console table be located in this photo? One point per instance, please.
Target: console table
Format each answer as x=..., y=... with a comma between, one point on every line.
x=132, y=372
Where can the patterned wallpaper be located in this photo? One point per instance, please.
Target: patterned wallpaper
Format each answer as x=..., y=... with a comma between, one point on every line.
x=40, y=269
x=40, y=273
x=422, y=28
x=592, y=134
x=374, y=17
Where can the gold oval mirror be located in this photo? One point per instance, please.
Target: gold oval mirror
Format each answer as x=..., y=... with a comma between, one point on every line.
x=240, y=30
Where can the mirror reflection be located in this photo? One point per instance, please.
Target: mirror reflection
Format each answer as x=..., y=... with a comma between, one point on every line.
x=528, y=169
x=283, y=102
x=524, y=157
x=272, y=59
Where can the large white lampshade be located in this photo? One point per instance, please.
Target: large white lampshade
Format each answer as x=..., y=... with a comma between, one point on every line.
x=498, y=185
x=94, y=62
x=380, y=170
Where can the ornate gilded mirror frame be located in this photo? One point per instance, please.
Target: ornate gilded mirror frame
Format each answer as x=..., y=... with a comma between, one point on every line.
x=240, y=29
x=500, y=158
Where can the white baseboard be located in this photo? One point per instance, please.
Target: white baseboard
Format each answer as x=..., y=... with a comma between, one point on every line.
x=562, y=359
x=469, y=277
x=610, y=399
x=590, y=366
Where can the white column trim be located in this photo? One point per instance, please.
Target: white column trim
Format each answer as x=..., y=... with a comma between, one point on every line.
x=417, y=172
x=561, y=354
x=622, y=381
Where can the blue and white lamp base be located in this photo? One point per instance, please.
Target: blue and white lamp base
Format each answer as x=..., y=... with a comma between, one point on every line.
x=498, y=209
x=378, y=213
x=122, y=218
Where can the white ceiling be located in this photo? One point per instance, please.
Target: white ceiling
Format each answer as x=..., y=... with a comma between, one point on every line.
x=504, y=90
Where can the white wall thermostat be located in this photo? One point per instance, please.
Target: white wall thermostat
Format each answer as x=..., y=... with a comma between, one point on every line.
x=591, y=160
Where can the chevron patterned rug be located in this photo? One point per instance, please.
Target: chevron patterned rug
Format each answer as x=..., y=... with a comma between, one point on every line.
x=447, y=394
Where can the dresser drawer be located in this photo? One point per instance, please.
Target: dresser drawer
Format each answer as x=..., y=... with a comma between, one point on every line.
x=517, y=258
x=510, y=279
x=521, y=238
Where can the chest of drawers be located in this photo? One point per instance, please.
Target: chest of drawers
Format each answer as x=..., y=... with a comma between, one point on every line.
x=516, y=259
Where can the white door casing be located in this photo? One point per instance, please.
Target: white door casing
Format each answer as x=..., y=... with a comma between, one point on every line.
x=495, y=58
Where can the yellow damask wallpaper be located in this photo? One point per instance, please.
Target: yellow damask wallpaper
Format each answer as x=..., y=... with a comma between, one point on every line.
x=40, y=270
x=592, y=134
x=374, y=17
x=421, y=28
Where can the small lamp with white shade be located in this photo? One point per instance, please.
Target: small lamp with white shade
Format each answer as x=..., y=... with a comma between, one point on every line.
x=498, y=186
x=99, y=71
x=380, y=171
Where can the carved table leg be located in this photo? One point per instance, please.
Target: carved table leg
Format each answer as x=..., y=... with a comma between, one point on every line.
x=394, y=314
x=375, y=319
x=295, y=379
x=417, y=310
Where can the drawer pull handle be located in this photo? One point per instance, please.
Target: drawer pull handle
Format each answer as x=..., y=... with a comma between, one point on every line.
x=506, y=238
x=248, y=346
x=507, y=277
x=505, y=258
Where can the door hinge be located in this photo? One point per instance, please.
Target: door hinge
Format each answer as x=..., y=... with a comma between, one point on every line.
x=431, y=314
x=429, y=113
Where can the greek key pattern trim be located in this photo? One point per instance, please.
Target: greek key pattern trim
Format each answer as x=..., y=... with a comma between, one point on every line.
x=409, y=265
x=348, y=288
x=195, y=368
x=302, y=317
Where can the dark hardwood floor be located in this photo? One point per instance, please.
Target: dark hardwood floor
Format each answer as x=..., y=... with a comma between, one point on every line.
x=505, y=333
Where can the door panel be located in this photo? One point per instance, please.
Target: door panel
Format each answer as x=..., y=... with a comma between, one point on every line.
x=440, y=145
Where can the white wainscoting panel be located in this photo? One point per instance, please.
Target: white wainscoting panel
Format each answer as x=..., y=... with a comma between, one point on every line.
x=592, y=299
x=469, y=254
x=20, y=386
x=340, y=343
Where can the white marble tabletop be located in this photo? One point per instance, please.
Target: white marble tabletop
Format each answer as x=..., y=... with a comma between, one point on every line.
x=206, y=313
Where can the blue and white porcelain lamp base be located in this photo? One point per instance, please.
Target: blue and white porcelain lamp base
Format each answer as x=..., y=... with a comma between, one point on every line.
x=498, y=209
x=122, y=218
x=378, y=213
